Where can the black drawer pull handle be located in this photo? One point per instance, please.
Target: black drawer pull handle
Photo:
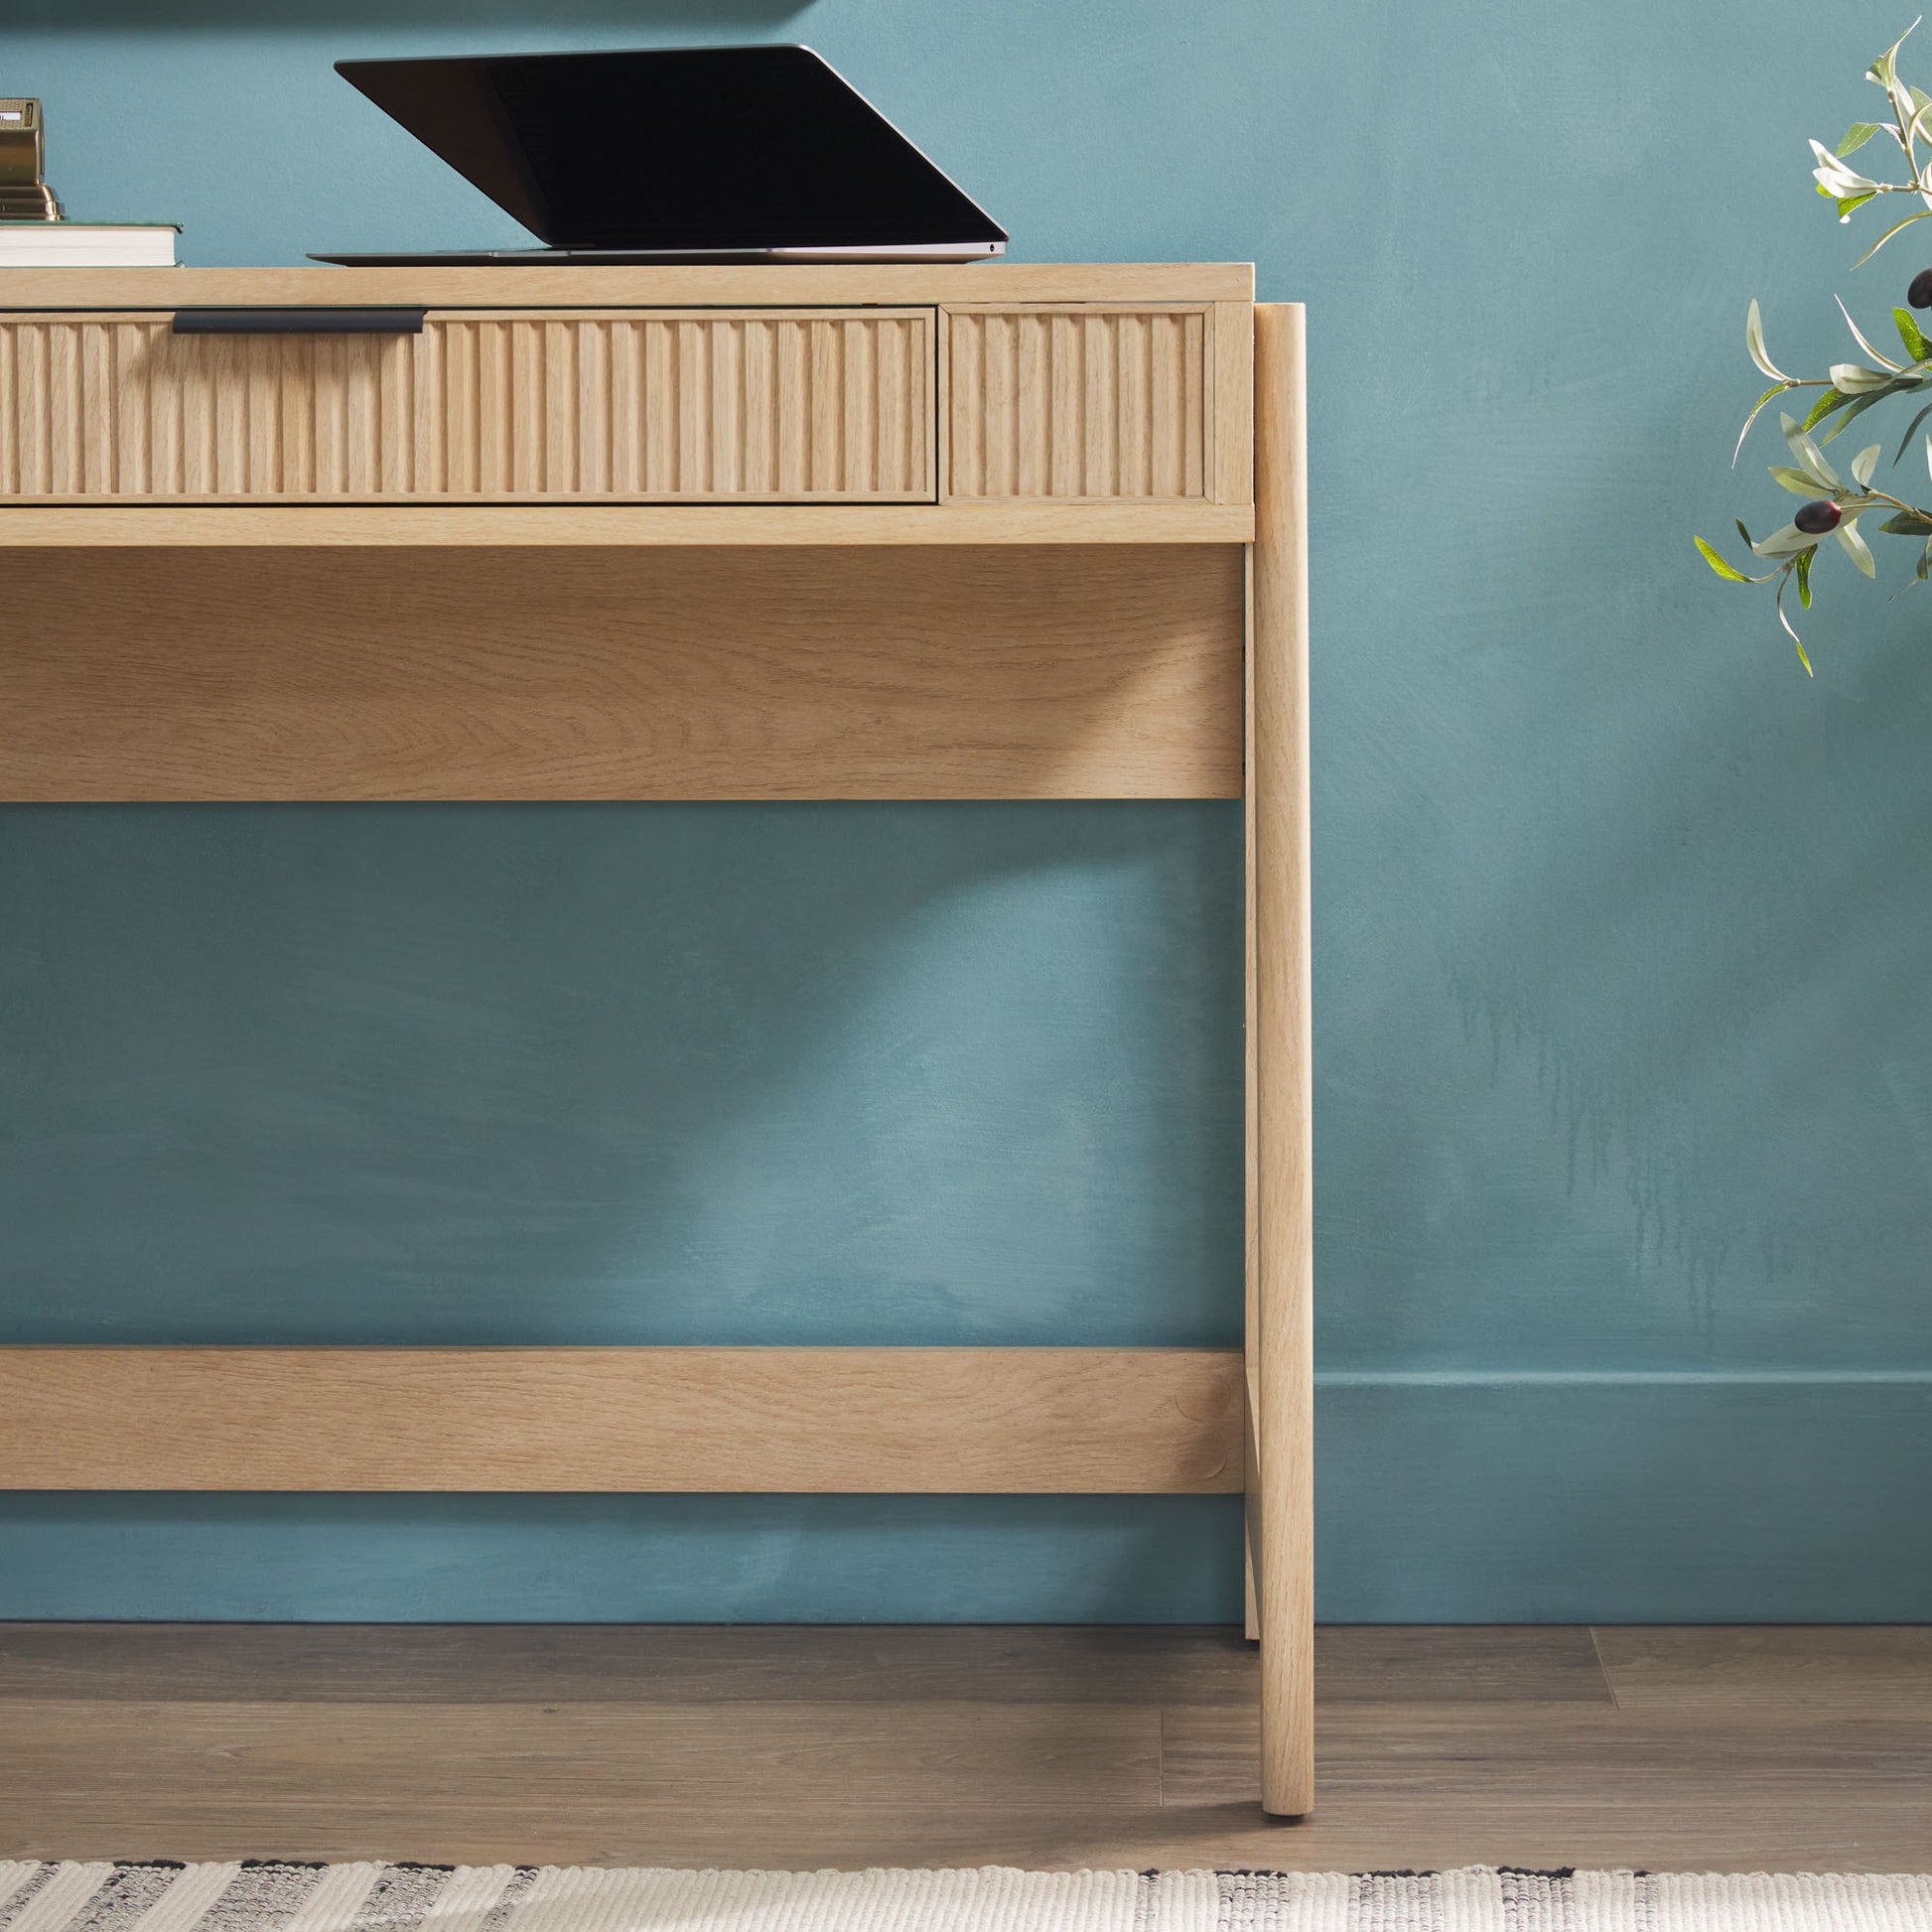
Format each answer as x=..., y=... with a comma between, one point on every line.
x=298, y=322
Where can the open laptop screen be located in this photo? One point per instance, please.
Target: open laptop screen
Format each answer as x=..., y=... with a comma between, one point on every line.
x=699, y=148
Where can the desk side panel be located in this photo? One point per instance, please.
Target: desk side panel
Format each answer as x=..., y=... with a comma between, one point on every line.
x=1065, y=672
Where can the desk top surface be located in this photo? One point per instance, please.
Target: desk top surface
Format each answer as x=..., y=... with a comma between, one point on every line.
x=528, y=286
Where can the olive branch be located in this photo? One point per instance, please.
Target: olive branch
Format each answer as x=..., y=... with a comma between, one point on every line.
x=1833, y=502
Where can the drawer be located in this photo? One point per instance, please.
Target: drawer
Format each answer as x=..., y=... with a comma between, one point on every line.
x=1091, y=403
x=630, y=405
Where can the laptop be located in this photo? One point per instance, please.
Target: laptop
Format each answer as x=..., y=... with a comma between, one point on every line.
x=715, y=154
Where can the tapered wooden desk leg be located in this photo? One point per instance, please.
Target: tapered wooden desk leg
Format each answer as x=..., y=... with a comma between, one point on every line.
x=1281, y=1338
x=1251, y=1236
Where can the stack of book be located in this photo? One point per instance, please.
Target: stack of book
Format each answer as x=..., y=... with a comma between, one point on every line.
x=87, y=244
x=34, y=232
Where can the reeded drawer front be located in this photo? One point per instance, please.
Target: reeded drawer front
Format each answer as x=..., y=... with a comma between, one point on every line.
x=613, y=406
x=1089, y=402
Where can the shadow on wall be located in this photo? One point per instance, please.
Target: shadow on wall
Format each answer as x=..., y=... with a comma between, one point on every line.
x=624, y=1559
x=670, y=1073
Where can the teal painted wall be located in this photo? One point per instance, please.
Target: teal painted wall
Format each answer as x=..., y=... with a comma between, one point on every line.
x=1624, y=1075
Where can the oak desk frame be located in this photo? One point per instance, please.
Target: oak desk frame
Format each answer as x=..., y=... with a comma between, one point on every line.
x=1058, y=518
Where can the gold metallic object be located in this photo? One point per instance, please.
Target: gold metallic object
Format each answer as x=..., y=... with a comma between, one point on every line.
x=24, y=196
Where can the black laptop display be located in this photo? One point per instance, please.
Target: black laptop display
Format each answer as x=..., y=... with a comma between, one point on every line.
x=692, y=153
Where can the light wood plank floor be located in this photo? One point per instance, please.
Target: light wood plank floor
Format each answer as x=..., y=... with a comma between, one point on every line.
x=1673, y=1748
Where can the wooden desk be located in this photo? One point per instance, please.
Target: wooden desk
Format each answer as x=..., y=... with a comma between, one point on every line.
x=998, y=532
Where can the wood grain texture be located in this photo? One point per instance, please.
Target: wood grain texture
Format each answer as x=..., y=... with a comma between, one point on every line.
x=1250, y=1123
x=1590, y=1754
x=569, y=405
x=1844, y=1826
x=1028, y=673
x=653, y=1663
x=585, y=526
x=1231, y=394
x=1088, y=403
x=1281, y=1346
x=1036, y=1748
x=890, y=1421
x=1843, y=1672
x=527, y=286
x=1202, y=1666
x=556, y=1756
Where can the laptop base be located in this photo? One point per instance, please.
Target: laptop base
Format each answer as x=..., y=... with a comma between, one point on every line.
x=932, y=251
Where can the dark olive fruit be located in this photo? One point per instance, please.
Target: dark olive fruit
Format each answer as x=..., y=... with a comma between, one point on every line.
x=1818, y=517
x=1919, y=295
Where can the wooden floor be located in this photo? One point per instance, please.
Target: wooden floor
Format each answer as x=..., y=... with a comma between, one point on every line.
x=1673, y=1748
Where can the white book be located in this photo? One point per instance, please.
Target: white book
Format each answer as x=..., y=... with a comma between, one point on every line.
x=87, y=244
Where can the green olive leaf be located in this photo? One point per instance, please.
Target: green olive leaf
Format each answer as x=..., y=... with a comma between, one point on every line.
x=1823, y=407
x=1755, y=344
x=1728, y=572
x=1910, y=431
x=1884, y=69
x=1788, y=631
x=1834, y=176
x=1859, y=404
x=1784, y=543
x=1865, y=342
x=1805, y=454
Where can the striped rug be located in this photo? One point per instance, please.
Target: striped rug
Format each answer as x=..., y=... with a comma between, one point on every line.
x=269, y=1897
